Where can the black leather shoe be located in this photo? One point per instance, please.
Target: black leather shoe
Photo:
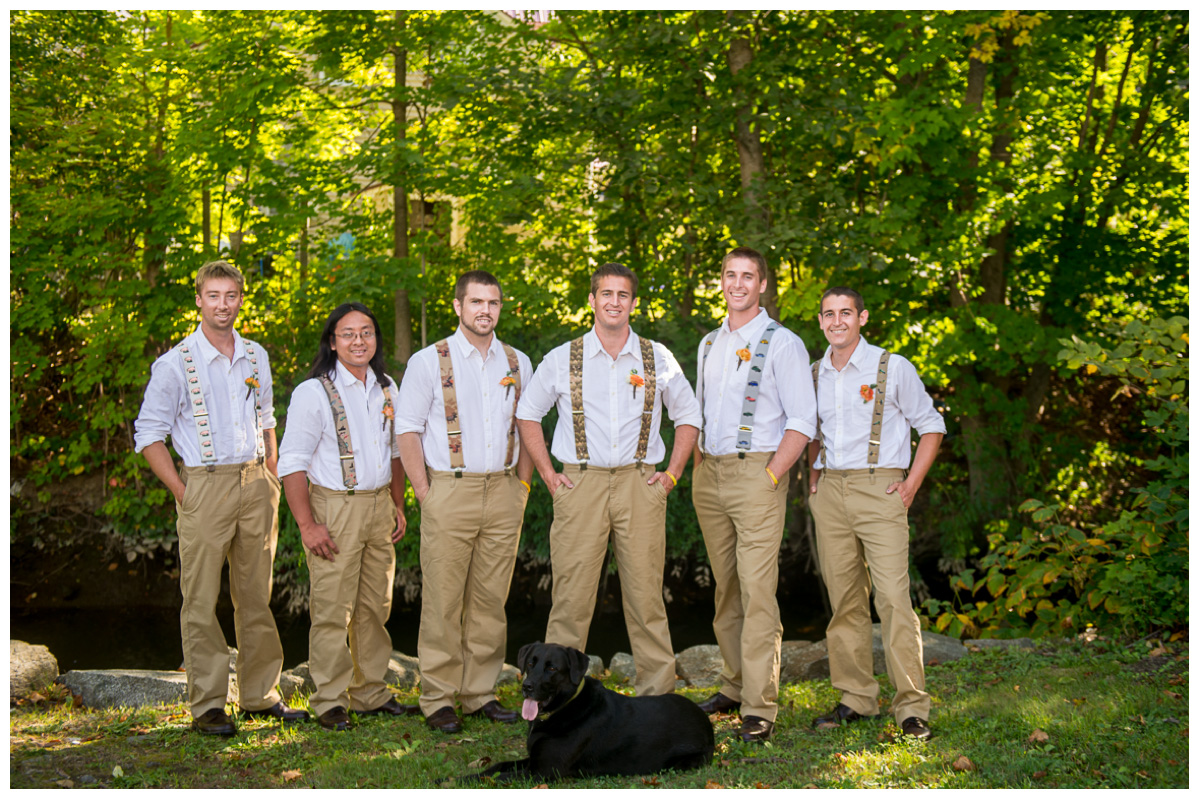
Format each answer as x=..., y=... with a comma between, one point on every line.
x=842, y=715
x=393, y=707
x=495, y=712
x=444, y=720
x=719, y=704
x=335, y=719
x=214, y=722
x=915, y=726
x=278, y=712
x=756, y=729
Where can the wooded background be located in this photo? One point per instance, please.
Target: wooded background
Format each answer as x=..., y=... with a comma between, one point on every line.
x=1008, y=190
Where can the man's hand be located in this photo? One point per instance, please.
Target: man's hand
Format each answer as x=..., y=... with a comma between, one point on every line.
x=662, y=478
x=421, y=493
x=556, y=480
x=907, y=491
x=401, y=525
x=317, y=540
x=814, y=475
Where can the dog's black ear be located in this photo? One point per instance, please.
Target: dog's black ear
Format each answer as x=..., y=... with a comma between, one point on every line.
x=523, y=654
x=578, y=663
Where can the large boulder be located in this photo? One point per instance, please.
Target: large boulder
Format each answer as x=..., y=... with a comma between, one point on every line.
x=937, y=649
x=508, y=674
x=1024, y=643
x=403, y=671
x=113, y=688
x=700, y=665
x=31, y=667
x=622, y=667
x=798, y=661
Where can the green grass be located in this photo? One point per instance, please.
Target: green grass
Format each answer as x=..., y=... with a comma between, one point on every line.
x=1113, y=715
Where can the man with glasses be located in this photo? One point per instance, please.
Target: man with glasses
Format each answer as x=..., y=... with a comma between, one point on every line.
x=345, y=486
x=212, y=395
x=458, y=441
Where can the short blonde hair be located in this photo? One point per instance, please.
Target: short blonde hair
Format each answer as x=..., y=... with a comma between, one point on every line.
x=219, y=269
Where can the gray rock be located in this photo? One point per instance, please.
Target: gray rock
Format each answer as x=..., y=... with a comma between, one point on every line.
x=937, y=649
x=622, y=667
x=403, y=671
x=700, y=665
x=595, y=667
x=31, y=668
x=508, y=674
x=297, y=680
x=798, y=659
x=1024, y=643
x=115, y=688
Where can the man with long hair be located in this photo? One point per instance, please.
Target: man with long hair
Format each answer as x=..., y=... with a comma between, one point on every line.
x=611, y=387
x=212, y=395
x=471, y=476
x=345, y=483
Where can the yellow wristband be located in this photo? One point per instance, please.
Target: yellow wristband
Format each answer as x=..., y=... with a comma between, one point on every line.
x=772, y=474
x=667, y=472
x=526, y=485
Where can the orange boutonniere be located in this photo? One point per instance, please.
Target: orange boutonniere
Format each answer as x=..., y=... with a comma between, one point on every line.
x=636, y=380
x=251, y=385
x=867, y=392
x=508, y=381
x=389, y=414
x=743, y=355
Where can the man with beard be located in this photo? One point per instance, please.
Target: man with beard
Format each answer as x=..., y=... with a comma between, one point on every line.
x=610, y=387
x=458, y=440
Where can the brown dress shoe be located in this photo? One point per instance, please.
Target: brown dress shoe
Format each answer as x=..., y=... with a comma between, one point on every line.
x=278, y=712
x=495, y=712
x=215, y=722
x=915, y=726
x=756, y=729
x=444, y=720
x=335, y=719
x=393, y=707
x=842, y=715
x=720, y=704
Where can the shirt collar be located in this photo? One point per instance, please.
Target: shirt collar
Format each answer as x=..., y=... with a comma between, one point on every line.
x=752, y=329
x=466, y=349
x=344, y=377
x=856, y=358
x=208, y=352
x=592, y=346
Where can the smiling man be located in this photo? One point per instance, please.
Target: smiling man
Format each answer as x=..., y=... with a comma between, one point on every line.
x=212, y=394
x=610, y=387
x=345, y=486
x=459, y=443
x=868, y=401
x=759, y=413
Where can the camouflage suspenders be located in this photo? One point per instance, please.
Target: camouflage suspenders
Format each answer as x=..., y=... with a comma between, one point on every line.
x=195, y=391
x=648, y=393
x=341, y=428
x=450, y=400
x=753, y=381
x=876, y=416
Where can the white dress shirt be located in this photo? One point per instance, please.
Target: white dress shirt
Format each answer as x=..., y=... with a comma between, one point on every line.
x=611, y=408
x=846, y=416
x=485, y=408
x=785, y=393
x=166, y=410
x=310, y=441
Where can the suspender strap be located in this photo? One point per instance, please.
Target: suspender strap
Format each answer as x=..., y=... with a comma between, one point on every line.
x=341, y=427
x=195, y=392
x=576, y=381
x=877, y=416
x=260, y=448
x=708, y=344
x=648, y=393
x=450, y=400
x=816, y=369
x=514, y=372
x=753, y=379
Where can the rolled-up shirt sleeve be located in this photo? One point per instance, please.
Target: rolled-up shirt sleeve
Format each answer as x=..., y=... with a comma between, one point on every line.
x=416, y=394
x=677, y=396
x=914, y=401
x=305, y=424
x=793, y=376
x=162, y=404
x=542, y=393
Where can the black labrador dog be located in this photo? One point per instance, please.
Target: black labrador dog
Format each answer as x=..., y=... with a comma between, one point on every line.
x=579, y=728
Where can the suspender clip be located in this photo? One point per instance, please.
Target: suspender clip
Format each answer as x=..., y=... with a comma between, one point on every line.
x=741, y=455
x=457, y=473
x=210, y=467
x=583, y=466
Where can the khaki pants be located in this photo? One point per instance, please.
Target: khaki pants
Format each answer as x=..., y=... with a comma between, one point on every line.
x=616, y=500
x=470, y=529
x=741, y=515
x=229, y=513
x=861, y=528
x=351, y=595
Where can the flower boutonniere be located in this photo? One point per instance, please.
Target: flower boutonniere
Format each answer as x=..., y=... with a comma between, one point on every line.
x=743, y=355
x=867, y=392
x=636, y=380
x=508, y=381
x=251, y=385
x=389, y=414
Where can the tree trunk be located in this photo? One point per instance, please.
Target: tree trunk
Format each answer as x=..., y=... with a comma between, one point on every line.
x=403, y=328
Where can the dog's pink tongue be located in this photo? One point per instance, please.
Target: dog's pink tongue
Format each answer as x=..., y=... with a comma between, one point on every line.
x=529, y=709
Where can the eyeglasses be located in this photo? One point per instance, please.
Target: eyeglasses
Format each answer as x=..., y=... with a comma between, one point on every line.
x=350, y=336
